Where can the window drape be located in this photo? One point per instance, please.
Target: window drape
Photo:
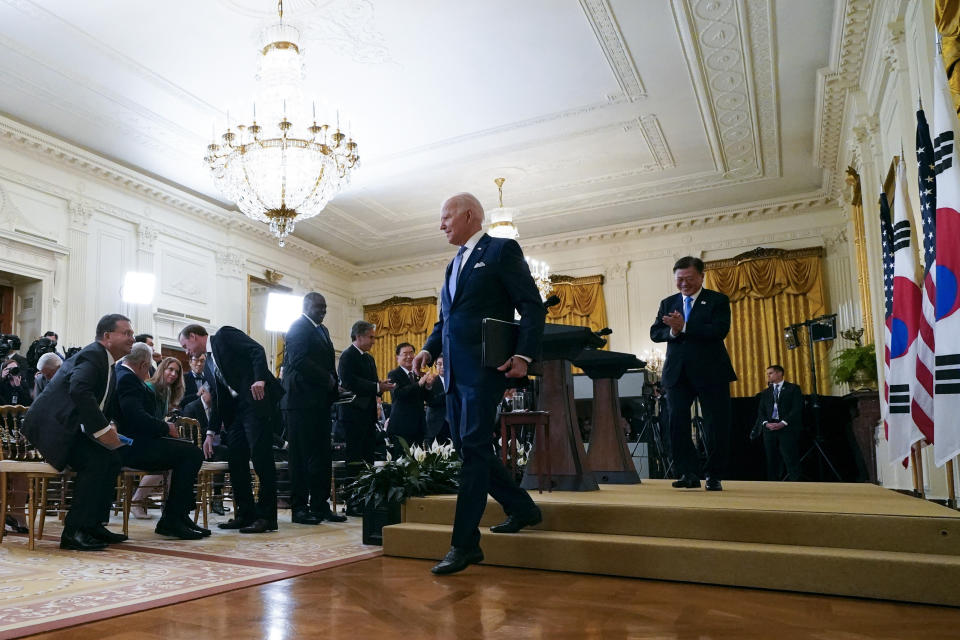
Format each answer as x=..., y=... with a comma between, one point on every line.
x=770, y=289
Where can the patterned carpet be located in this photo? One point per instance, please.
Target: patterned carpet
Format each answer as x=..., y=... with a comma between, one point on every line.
x=49, y=589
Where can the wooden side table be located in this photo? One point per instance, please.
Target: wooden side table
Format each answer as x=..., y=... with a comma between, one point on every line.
x=509, y=427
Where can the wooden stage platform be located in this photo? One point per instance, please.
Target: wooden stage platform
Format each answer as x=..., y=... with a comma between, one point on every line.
x=842, y=539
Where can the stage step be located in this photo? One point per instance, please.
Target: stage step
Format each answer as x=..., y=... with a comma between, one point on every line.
x=868, y=531
x=846, y=539
x=912, y=577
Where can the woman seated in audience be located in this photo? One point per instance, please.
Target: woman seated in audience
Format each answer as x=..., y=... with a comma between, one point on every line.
x=167, y=384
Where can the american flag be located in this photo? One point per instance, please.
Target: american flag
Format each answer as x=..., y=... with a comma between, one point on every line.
x=886, y=240
x=922, y=407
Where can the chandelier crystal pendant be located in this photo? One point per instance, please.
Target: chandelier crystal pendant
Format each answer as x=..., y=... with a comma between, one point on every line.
x=502, y=226
x=280, y=170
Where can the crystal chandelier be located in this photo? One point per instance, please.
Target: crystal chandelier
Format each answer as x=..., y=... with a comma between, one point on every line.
x=502, y=226
x=279, y=170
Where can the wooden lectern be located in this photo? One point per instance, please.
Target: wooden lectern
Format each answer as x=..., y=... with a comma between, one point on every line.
x=609, y=455
x=568, y=459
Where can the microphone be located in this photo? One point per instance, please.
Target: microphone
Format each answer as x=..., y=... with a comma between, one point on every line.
x=603, y=332
x=551, y=301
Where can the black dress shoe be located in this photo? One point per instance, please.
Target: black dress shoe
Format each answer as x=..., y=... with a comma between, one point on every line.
x=329, y=516
x=304, y=517
x=714, y=485
x=260, y=525
x=457, y=559
x=235, y=523
x=516, y=522
x=176, y=529
x=15, y=526
x=686, y=482
x=103, y=534
x=217, y=508
x=190, y=524
x=81, y=541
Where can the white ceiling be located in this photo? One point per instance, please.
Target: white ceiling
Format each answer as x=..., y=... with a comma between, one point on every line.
x=598, y=112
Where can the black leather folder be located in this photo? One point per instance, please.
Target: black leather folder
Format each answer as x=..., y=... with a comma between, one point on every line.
x=500, y=343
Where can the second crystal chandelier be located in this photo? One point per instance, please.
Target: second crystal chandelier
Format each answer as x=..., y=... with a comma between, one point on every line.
x=281, y=170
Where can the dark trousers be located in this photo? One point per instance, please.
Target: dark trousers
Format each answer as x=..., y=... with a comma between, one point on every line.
x=471, y=413
x=250, y=437
x=715, y=405
x=95, y=484
x=308, y=432
x=360, y=429
x=783, y=449
x=181, y=458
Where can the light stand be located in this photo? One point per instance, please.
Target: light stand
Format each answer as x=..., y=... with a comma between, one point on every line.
x=819, y=329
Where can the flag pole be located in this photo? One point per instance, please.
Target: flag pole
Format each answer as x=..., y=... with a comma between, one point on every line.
x=951, y=489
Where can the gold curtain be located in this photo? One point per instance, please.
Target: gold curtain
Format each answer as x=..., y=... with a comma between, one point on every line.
x=948, y=24
x=770, y=289
x=399, y=320
x=860, y=244
x=581, y=303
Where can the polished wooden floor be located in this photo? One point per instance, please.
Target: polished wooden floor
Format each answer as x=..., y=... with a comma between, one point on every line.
x=387, y=598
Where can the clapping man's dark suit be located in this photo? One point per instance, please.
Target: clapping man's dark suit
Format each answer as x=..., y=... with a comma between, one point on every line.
x=63, y=422
x=156, y=446
x=697, y=365
x=408, y=418
x=779, y=420
x=311, y=385
x=246, y=401
x=358, y=374
x=493, y=282
x=437, y=427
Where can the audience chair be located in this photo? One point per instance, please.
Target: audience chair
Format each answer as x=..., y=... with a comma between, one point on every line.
x=18, y=457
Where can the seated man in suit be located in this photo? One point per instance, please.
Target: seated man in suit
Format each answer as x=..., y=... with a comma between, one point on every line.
x=437, y=426
x=407, y=417
x=778, y=418
x=69, y=425
x=192, y=380
x=156, y=444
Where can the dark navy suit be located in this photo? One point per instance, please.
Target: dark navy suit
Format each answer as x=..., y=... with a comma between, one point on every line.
x=697, y=366
x=249, y=423
x=494, y=281
x=310, y=382
x=153, y=449
x=408, y=419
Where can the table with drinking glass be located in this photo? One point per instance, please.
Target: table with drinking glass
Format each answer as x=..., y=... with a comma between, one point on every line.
x=511, y=425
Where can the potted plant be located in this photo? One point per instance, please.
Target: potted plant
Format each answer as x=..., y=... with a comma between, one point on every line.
x=381, y=489
x=857, y=365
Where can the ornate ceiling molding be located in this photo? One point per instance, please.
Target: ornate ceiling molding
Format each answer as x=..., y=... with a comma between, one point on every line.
x=50, y=149
x=618, y=233
x=727, y=46
x=834, y=83
x=608, y=33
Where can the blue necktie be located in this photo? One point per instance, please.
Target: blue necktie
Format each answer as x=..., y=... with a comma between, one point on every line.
x=776, y=402
x=455, y=272
x=687, y=305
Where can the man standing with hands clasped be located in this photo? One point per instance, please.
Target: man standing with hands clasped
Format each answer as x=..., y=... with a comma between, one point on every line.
x=778, y=419
x=694, y=324
x=488, y=278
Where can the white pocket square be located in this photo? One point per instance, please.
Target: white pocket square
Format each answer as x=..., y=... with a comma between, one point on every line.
x=479, y=264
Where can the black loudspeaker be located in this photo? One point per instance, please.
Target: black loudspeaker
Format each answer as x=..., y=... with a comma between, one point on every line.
x=824, y=328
